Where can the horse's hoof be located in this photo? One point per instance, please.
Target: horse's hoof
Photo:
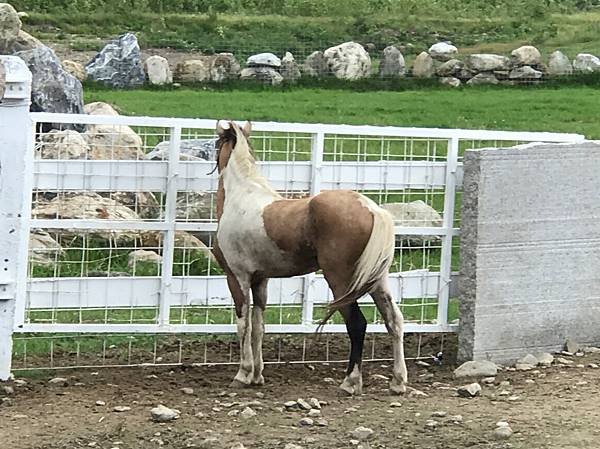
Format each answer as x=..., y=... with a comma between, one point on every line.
x=397, y=388
x=236, y=383
x=258, y=382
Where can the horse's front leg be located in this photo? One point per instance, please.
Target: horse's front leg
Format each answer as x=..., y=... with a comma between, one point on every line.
x=240, y=290
x=259, y=298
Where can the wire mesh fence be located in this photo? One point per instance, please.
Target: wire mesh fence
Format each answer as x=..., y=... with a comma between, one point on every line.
x=123, y=221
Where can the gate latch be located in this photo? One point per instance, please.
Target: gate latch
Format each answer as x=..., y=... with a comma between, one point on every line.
x=7, y=291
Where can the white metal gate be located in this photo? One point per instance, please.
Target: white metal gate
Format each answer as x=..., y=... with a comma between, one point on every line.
x=89, y=196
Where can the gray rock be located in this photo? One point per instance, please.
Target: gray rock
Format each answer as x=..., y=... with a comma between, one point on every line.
x=450, y=68
x=487, y=62
x=415, y=213
x=10, y=25
x=8, y=390
x=307, y=422
x=53, y=89
x=193, y=71
x=290, y=71
x=469, y=391
x=118, y=64
x=210, y=443
x=483, y=78
x=248, y=413
x=76, y=69
x=315, y=65
x=314, y=413
x=223, y=66
x=362, y=433
x=321, y=422
x=559, y=64
x=25, y=41
x=423, y=66
x=431, y=423
x=264, y=74
x=572, y=346
x=442, y=51
x=63, y=144
x=586, y=63
x=526, y=363
x=503, y=433
x=263, y=60
x=349, y=61
x=44, y=250
x=526, y=55
x=392, y=63
x=189, y=150
x=121, y=408
x=186, y=390
x=164, y=414
x=158, y=70
x=144, y=256
x=291, y=405
x=481, y=368
x=292, y=446
x=303, y=404
x=314, y=403
x=58, y=380
x=545, y=359
x=525, y=73
x=450, y=81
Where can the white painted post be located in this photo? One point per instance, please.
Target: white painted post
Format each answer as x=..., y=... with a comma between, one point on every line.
x=316, y=164
x=169, y=235
x=16, y=162
x=448, y=225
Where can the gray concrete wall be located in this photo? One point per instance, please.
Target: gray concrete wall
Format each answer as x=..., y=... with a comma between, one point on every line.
x=530, y=250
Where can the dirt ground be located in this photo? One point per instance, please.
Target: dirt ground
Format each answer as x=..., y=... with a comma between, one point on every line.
x=555, y=407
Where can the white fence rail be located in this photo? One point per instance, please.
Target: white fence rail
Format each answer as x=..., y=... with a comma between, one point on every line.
x=186, y=293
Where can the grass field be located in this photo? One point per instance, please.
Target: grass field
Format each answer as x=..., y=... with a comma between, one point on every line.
x=566, y=109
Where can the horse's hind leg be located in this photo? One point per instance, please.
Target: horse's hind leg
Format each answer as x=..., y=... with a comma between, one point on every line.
x=259, y=298
x=394, y=322
x=356, y=325
x=240, y=290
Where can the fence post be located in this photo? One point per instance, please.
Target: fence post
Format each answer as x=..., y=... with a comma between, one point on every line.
x=16, y=153
x=316, y=163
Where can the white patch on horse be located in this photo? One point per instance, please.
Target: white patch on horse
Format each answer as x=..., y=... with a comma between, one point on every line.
x=352, y=384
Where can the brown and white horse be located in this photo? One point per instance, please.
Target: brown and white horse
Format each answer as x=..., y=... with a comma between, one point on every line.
x=261, y=235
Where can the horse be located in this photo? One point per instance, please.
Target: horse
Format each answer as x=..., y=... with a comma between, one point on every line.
x=262, y=235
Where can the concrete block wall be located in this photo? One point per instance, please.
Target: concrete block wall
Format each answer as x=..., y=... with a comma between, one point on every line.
x=530, y=250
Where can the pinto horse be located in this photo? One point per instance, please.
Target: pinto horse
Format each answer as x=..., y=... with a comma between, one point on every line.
x=262, y=235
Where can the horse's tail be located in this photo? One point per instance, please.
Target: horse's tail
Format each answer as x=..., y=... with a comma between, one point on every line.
x=374, y=262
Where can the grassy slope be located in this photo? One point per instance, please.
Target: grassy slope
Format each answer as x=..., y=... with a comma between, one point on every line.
x=568, y=109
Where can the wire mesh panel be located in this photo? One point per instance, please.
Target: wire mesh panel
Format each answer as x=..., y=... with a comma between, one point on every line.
x=123, y=222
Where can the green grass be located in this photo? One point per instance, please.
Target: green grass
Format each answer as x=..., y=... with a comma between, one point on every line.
x=566, y=109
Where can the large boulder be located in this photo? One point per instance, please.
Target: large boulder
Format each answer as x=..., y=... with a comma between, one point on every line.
x=53, y=89
x=263, y=60
x=10, y=25
x=414, y=214
x=559, y=64
x=423, y=66
x=443, y=51
x=450, y=81
x=586, y=63
x=189, y=150
x=25, y=41
x=487, y=62
x=43, y=249
x=392, y=63
x=158, y=71
x=224, y=66
x=118, y=64
x=144, y=204
x=195, y=205
x=289, y=67
x=315, y=64
x=526, y=55
x=267, y=75
x=525, y=73
x=62, y=144
x=111, y=141
x=348, y=61
x=76, y=69
x=193, y=71
x=483, y=78
x=450, y=68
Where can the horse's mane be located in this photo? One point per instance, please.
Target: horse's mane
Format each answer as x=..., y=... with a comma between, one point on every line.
x=243, y=158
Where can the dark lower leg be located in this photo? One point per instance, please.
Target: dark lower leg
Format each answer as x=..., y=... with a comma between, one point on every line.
x=356, y=325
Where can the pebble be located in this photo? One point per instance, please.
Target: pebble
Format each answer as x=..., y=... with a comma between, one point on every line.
x=236, y=445
x=414, y=393
x=503, y=433
x=579, y=366
x=58, y=380
x=292, y=446
x=422, y=363
x=303, y=404
x=306, y=422
x=439, y=413
x=100, y=403
x=362, y=433
x=314, y=413
x=314, y=403
x=476, y=369
x=379, y=377
x=20, y=382
x=290, y=405
x=209, y=442
x=469, y=391
x=593, y=365
x=545, y=359
x=488, y=380
x=563, y=361
x=187, y=390
x=247, y=413
x=233, y=413
x=456, y=419
x=321, y=422
x=164, y=414
x=396, y=404
x=431, y=423
x=529, y=381
x=121, y=408
x=329, y=380
x=514, y=398
x=8, y=390
x=260, y=395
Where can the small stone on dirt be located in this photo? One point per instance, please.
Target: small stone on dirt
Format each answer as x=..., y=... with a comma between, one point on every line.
x=292, y=446
x=414, y=393
x=121, y=408
x=306, y=422
x=164, y=414
x=260, y=395
x=321, y=422
x=291, y=405
x=314, y=413
x=488, y=380
x=362, y=433
x=563, y=361
x=572, y=346
x=456, y=419
x=422, y=363
x=592, y=365
x=233, y=413
x=395, y=404
x=8, y=390
x=379, y=377
x=439, y=413
x=247, y=413
x=100, y=403
x=303, y=404
x=314, y=403
x=545, y=359
x=238, y=446
x=481, y=368
x=329, y=380
x=20, y=382
x=58, y=380
x=469, y=391
x=209, y=443
x=187, y=390
x=431, y=423
x=503, y=433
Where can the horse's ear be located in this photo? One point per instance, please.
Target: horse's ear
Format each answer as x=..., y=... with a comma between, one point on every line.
x=247, y=129
x=222, y=127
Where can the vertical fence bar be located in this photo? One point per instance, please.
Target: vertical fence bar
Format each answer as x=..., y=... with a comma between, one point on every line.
x=169, y=233
x=316, y=164
x=448, y=225
x=16, y=153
